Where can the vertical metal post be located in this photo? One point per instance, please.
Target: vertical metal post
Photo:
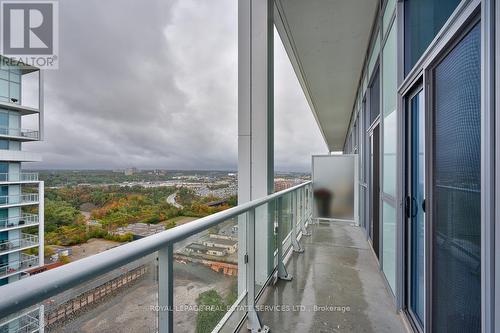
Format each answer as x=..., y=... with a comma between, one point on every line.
x=304, y=211
x=41, y=102
x=41, y=222
x=41, y=319
x=282, y=272
x=295, y=243
x=256, y=117
x=165, y=290
x=253, y=322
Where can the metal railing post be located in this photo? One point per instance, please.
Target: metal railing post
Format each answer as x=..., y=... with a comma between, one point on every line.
x=310, y=199
x=253, y=323
x=282, y=272
x=295, y=243
x=166, y=289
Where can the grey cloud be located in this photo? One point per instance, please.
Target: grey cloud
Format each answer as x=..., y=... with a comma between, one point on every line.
x=153, y=84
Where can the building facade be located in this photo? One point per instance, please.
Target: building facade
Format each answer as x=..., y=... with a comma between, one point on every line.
x=21, y=192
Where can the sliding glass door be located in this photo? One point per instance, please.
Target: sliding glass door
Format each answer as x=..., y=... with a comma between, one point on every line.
x=456, y=187
x=415, y=205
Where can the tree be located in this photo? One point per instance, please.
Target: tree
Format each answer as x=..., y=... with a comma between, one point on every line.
x=211, y=309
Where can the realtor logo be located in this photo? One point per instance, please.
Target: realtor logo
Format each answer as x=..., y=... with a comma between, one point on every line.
x=30, y=32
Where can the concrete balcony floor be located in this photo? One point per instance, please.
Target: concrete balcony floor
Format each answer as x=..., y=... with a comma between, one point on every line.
x=337, y=268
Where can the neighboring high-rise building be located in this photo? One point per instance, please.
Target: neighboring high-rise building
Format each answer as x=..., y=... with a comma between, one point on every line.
x=21, y=193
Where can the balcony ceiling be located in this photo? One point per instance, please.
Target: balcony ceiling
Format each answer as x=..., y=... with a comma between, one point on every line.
x=326, y=41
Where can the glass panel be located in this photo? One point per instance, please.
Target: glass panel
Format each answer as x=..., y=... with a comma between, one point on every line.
x=333, y=181
x=389, y=10
x=15, y=92
x=206, y=278
x=374, y=55
x=417, y=214
x=423, y=20
x=4, y=89
x=389, y=74
x=457, y=189
x=375, y=96
x=123, y=300
x=4, y=144
x=265, y=221
x=390, y=150
x=389, y=244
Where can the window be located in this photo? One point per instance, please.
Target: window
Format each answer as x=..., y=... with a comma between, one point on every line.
x=423, y=19
x=375, y=96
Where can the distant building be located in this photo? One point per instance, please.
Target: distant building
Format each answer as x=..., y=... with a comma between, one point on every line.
x=130, y=171
x=139, y=230
x=230, y=245
x=196, y=248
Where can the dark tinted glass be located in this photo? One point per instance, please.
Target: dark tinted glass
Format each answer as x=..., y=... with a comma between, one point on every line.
x=423, y=20
x=457, y=189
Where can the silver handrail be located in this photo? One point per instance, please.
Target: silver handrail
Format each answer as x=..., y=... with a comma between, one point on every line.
x=16, y=199
x=28, y=292
x=19, y=177
x=25, y=219
x=20, y=132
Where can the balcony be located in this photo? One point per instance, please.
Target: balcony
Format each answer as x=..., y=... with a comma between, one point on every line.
x=19, y=156
x=25, y=242
x=23, y=177
x=18, y=200
x=19, y=134
x=323, y=273
x=16, y=222
x=19, y=266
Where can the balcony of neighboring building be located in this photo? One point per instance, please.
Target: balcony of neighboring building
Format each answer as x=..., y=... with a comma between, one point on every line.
x=17, y=82
x=14, y=267
x=19, y=156
x=16, y=200
x=23, y=177
x=19, y=134
x=18, y=222
x=26, y=241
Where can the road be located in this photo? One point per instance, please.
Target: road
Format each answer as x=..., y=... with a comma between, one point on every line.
x=171, y=200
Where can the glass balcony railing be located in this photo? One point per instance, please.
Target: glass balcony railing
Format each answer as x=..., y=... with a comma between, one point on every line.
x=24, y=242
x=202, y=276
x=25, y=323
x=20, y=199
x=20, y=133
x=24, y=219
x=27, y=261
x=19, y=177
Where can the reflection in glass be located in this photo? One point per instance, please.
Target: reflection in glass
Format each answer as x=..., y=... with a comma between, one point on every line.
x=457, y=189
x=423, y=19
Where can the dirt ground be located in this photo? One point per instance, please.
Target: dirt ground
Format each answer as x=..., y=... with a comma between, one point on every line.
x=93, y=246
x=131, y=310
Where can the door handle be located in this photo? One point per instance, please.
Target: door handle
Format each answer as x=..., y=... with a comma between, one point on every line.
x=423, y=205
x=407, y=207
x=414, y=205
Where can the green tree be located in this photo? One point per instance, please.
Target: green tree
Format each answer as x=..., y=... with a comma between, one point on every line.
x=211, y=309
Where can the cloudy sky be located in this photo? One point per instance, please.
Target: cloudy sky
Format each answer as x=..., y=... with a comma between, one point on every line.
x=153, y=84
